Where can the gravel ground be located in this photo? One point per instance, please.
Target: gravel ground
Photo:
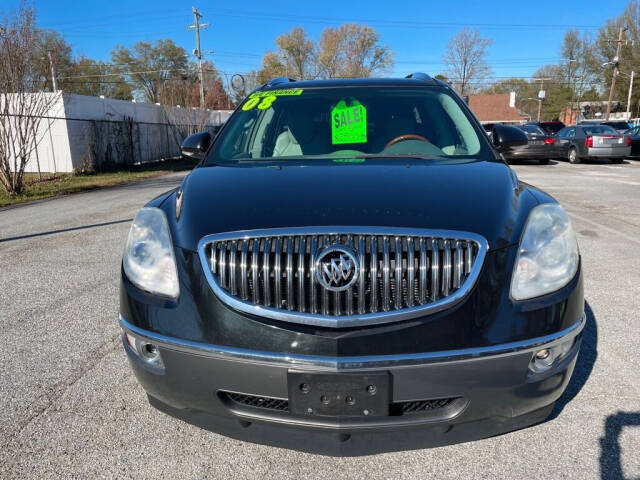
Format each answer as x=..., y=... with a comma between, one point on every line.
x=72, y=408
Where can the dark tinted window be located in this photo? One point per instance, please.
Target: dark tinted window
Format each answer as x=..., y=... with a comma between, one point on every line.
x=618, y=125
x=348, y=122
x=551, y=127
x=532, y=129
x=599, y=129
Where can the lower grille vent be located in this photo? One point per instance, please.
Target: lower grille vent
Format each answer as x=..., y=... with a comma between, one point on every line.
x=281, y=405
x=268, y=403
x=419, y=406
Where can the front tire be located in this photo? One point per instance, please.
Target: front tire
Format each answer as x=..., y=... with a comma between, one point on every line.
x=573, y=156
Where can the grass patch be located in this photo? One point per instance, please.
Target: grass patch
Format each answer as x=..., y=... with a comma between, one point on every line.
x=53, y=185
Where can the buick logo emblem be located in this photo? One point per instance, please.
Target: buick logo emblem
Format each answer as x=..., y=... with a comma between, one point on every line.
x=337, y=268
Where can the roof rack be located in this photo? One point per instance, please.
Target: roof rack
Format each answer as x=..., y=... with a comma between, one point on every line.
x=279, y=80
x=420, y=76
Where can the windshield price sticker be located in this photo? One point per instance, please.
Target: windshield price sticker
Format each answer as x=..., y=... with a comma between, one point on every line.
x=264, y=100
x=348, y=124
x=278, y=93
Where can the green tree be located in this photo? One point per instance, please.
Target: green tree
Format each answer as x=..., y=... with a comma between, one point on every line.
x=558, y=93
x=94, y=78
x=50, y=41
x=153, y=64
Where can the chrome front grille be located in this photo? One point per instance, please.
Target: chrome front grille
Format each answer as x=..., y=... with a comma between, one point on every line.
x=402, y=273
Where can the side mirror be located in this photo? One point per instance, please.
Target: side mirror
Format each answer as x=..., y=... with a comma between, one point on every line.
x=196, y=145
x=504, y=137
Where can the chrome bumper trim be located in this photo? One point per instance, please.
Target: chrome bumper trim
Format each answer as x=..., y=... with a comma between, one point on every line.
x=353, y=363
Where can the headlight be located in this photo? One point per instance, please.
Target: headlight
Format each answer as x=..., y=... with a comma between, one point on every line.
x=548, y=254
x=148, y=261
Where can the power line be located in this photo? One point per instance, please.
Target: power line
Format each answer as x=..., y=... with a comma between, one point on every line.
x=398, y=23
x=132, y=17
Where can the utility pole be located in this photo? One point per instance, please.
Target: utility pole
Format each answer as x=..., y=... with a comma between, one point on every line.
x=53, y=71
x=573, y=90
x=541, y=80
x=629, y=98
x=198, y=52
x=616, y=61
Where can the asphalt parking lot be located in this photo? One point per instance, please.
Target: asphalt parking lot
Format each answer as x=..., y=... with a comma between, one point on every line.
x=72, y=408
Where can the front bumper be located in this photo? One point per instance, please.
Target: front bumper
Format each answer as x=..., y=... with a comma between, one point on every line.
x=488, y=390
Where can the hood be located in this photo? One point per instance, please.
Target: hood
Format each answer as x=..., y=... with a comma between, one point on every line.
x=475, y=196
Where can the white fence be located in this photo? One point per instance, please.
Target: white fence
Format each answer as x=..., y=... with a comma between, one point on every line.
x=82, y=132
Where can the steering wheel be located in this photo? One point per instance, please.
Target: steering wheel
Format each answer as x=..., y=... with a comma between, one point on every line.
x=406, y=136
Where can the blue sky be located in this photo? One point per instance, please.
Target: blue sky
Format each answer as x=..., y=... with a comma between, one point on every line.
x=525, y=34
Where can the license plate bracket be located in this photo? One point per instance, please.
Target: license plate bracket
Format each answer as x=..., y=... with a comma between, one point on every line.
x=339, y=394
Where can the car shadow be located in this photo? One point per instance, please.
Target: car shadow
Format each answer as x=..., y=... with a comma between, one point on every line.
x=524, y=161
x=610, y=449
x=584, y=365
x=603, y=161
x=64, y=230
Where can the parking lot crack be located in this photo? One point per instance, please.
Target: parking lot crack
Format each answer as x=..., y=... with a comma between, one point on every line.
x=50, y=397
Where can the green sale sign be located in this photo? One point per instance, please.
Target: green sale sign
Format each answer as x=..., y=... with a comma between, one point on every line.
x=348, y=123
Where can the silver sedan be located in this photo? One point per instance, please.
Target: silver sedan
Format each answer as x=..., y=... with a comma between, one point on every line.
x=583, y=142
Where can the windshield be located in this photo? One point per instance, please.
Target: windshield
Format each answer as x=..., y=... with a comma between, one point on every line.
x=552, y=127
x=532, y=129
x=600, y=129
x=348, y=122
x=618, y=125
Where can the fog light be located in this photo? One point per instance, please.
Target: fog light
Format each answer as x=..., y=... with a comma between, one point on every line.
x=148, y=351
x=542, y=354
x=546, y=358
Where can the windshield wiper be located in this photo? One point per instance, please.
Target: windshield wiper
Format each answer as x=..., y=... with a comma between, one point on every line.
x=400, y=155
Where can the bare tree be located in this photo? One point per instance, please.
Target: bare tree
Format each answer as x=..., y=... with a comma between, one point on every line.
x=243, y=85
x=182, y=116
x=465, y=60
x=23, y=104
x=352, y=50
x=578, y=62
x=297, y=52
x=348, y=51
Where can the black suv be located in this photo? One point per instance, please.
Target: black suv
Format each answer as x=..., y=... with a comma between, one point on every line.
x=352, y=268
